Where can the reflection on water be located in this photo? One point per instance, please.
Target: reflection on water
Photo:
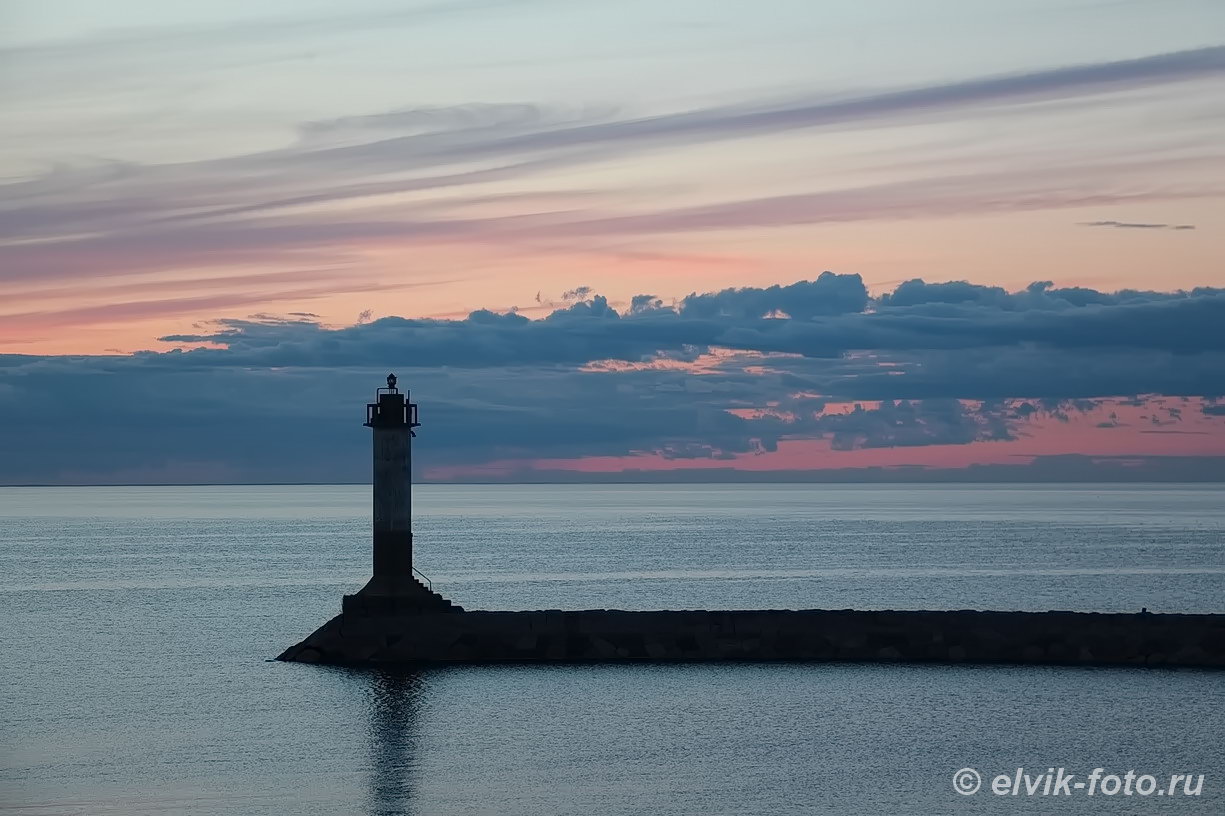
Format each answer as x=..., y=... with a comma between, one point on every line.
x=394, y=710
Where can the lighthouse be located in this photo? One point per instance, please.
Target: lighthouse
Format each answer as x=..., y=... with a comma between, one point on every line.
x=394, y=588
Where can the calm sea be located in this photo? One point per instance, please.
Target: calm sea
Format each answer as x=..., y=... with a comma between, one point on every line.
x=137, y=623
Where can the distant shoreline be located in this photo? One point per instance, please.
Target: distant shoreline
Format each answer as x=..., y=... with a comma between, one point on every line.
x=656, y=482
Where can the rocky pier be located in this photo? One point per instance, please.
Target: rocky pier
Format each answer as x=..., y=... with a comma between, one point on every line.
x=604, y=635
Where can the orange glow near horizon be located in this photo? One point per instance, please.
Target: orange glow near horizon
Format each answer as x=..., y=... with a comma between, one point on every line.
x=120, y=312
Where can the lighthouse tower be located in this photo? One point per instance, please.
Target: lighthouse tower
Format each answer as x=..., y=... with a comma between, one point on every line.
x=394, y=587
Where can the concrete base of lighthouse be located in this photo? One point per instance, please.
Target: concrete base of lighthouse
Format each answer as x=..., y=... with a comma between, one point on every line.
x=411, y=597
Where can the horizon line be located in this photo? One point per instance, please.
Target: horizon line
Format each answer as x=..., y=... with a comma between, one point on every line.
x=654, y=483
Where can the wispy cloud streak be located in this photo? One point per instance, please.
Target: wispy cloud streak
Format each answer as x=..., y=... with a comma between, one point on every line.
x=1142, y=225
x=347, y=186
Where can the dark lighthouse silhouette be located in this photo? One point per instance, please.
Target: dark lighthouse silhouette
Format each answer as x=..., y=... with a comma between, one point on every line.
x=394, y=587
x=398, y=619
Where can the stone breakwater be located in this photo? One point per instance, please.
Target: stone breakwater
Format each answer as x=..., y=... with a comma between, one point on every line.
x=552, y=636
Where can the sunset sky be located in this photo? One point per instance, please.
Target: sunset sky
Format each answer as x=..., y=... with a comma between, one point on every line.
x=590, y=237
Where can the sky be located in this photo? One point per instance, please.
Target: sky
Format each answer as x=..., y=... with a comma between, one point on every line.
x=646, y=240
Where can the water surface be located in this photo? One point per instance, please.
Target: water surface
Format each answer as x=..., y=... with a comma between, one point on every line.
x=138, y=621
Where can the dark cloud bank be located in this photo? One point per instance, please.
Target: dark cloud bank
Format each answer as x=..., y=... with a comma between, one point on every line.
x=271, y=399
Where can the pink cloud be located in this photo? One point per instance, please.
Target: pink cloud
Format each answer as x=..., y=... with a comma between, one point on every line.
x=1140, y=430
